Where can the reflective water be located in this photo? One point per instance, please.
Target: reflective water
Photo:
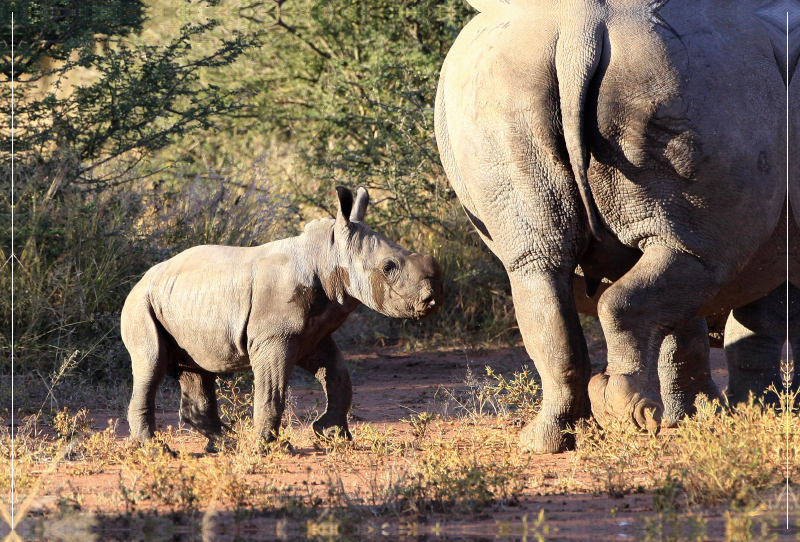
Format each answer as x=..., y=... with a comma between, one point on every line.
x=228, y=527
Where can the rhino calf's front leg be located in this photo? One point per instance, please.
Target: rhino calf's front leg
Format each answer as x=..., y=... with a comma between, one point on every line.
x=272, y=368
x=327, y=364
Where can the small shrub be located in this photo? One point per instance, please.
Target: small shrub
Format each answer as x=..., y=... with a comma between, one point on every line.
x=419, y=424
x=717, y=455
x=494, y=395
x=379, y=442
x=69, y=426
x=446, y=477
x=618, y=458
x=520, y=395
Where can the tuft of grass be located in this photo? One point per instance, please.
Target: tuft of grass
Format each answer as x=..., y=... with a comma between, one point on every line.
x=618, y=459
x=419, y=424
x=493, y=395
x=380, y=443
x=449, y=476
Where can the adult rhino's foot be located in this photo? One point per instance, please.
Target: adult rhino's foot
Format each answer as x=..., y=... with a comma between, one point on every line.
x=546, y=435
x=678, y=405
x=615, y=397
x=326, y=427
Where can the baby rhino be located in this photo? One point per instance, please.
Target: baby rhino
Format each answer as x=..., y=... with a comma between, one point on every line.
x=218, y=309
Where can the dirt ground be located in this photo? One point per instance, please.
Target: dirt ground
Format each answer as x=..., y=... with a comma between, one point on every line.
x=390, y=386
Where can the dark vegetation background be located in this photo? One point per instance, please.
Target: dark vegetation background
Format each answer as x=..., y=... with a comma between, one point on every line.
x=144, y=128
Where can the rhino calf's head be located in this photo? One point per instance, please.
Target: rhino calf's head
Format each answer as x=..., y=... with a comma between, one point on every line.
x=380, y=273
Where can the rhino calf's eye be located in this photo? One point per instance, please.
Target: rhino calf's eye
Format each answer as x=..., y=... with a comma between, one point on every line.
x=389, y=266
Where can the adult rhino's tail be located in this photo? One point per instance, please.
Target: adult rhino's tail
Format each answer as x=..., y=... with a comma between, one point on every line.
x=579, y=47
x=578, y=52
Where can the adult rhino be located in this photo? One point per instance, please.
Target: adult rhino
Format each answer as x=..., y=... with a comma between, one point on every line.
x=217, y=309
x=642, y=142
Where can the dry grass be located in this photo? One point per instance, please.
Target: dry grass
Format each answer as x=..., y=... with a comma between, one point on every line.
x=736, y=455
x=466, y=461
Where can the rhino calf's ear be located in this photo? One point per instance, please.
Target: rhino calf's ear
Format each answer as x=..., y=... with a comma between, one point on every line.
x=345, y=206
x=360, y=208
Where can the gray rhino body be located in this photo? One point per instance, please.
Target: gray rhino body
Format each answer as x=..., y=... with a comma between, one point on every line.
x=644, y=142
x=218, y=309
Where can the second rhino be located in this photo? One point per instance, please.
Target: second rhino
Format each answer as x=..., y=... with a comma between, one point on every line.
x=219, y=309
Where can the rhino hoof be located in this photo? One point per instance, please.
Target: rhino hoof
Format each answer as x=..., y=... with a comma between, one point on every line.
x=329, y=431
x=614, y=397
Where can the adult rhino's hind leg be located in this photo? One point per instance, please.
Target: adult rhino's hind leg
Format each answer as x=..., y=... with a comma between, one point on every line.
x=755, y=335
x=554, y=340
x=656, y=298
x=684, y=370
x=328, y=365
x=199, y=405
x=142, y=337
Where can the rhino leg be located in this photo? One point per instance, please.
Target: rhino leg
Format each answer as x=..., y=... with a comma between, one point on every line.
x=658, y=296
x=553, y=338
x=685, y=371
x=199, y=404
x=272, y=367
x=754, y=338
x=149, y=361
x=327, y=364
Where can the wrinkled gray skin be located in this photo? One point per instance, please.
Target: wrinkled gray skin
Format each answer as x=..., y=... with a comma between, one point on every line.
x=642, y=141
x=754, y=338
x=218, y=309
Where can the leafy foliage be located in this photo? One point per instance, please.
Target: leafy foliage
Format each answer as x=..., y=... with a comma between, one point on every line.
x=134, y=99
x=350, y=88
x=47, y=30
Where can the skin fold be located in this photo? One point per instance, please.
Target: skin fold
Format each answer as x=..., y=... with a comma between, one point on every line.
x=643, y=142
x=216, y=309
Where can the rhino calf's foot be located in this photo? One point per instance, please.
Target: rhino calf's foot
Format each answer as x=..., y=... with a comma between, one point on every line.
x=615, y=397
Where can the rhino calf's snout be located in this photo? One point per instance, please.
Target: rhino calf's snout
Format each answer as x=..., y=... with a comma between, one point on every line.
x=431, y=293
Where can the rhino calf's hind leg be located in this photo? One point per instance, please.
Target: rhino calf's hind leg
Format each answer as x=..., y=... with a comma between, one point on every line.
x=328, y=366
x=141, y=336
x=684, y=370
x=199, y=405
